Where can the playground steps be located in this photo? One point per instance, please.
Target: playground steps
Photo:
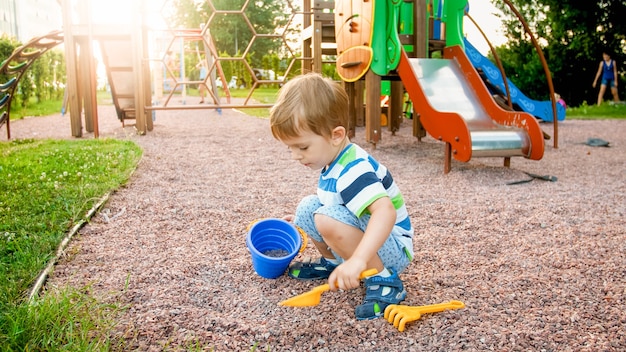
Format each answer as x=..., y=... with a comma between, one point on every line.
x=318, y=35
x=118, y=60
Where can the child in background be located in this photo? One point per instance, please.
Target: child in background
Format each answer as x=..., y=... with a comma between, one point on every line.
x=358, y=219
x=560, y=100
x=202, y=86
x=608, y=70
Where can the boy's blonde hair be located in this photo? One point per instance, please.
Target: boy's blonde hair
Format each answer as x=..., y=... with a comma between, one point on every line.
x=309, y=103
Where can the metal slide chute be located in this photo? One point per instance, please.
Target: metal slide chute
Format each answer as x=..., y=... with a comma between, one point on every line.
x=455, y=107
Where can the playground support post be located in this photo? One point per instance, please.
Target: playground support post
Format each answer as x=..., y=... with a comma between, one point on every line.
x=372, y=114
x=89, y=79
x=420, y=50
x=141, y=72
x=396, y=103
x=72, y=73
x=87, y=82
x=545, y=68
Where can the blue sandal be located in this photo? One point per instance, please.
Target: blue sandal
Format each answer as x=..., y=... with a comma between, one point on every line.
x=375, y=303
x=312, y=270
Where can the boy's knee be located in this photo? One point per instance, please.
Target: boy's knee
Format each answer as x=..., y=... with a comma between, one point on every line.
x=308, y=205
x=328, y=227
x=304, y=216
x=323, y=222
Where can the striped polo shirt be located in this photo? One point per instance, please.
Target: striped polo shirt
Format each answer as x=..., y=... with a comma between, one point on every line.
x=355, y=179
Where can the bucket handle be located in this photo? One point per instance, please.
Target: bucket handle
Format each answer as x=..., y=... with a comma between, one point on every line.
x=303, y=235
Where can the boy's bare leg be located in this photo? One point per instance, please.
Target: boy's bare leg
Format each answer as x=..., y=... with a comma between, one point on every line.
x=323, y=249
x=343, y=239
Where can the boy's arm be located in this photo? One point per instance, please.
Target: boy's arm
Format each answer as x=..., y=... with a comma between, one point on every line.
x=615, y=73
x=382, y=220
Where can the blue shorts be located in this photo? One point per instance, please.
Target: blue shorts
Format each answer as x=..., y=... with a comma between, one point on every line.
x=392, y=253
x=608, y=82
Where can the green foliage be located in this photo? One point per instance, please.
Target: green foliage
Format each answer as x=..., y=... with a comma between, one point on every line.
x=188, y=14
x=235, y=68
x=47, y=186
x=233, y=35
x=523, y=67
x=43, y=80
x=7, y=46
x=330, y=70
x=49, y=75
x=573, y=35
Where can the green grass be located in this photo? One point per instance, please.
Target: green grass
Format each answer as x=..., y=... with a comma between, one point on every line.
x=43, y=108
x=49, y=107
x=594, y=112
x=48, y=186
x=267, y=95
x=261, y=95
x=62, y=320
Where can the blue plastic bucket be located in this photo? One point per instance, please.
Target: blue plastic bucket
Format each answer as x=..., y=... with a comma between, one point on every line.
x=273, y=243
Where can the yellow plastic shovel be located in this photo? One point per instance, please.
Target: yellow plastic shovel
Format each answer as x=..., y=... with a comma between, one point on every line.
x=312, y=298
x=401, y=314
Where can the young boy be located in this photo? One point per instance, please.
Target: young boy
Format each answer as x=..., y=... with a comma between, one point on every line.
x=358, y=219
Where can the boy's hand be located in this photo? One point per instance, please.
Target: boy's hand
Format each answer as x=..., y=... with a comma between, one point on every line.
x=346, y=275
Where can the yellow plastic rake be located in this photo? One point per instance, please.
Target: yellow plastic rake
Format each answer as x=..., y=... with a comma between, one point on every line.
x=313, y=297
x=399, y=315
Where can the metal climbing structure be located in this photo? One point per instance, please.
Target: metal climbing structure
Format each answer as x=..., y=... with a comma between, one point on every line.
x=16, y=65
x=138, y=54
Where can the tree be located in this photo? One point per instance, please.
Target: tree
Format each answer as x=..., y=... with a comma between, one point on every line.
x=573, y=35
x=231, y=32
x=7, y=46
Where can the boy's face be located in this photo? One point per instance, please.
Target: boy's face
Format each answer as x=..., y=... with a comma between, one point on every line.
x=312, y=150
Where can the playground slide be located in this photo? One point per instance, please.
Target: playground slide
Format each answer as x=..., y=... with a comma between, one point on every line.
x=540, y=109
x=456, y=107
